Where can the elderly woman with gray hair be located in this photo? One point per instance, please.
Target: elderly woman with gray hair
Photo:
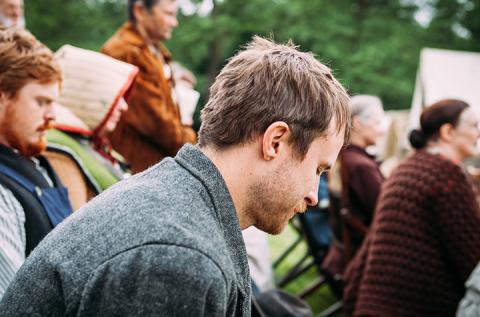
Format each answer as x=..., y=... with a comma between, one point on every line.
x=361, y=179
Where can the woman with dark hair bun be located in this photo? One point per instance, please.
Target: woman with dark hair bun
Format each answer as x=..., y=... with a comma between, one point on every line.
x=423, y=242
x=433, y=118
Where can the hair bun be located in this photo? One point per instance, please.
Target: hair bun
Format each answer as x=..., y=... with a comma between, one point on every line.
x=417, y=139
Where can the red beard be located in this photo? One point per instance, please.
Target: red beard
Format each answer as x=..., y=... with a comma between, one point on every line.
x=24, y=147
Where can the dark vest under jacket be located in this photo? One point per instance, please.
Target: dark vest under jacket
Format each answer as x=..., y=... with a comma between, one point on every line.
x=37, y=223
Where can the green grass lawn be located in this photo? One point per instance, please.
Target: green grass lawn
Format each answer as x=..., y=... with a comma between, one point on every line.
x=319, y=300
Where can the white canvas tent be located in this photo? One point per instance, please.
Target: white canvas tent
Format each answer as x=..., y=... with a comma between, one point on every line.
x=441, y=74
x=445, y=74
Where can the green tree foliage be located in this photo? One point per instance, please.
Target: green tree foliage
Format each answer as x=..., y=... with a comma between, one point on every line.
x=373, y=46
x=83, y=23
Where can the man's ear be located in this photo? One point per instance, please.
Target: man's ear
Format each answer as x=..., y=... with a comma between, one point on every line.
x=274, y=138
x=138, y=11
x=356, y=123
x=446, y=132
x=3, y=98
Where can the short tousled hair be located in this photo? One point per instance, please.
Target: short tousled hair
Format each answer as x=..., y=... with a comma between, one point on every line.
x=268, y=82
x=147, y=4
x=24, y=59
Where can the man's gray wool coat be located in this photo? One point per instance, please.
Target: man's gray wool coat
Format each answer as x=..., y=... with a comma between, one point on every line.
x=166, y=242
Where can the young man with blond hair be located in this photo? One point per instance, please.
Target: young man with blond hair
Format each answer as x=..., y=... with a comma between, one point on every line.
x=168, y=242
x=32, y=198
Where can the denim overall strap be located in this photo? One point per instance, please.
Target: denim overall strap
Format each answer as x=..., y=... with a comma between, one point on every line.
x=54, y=200
x=56, y=203
x=24, y=182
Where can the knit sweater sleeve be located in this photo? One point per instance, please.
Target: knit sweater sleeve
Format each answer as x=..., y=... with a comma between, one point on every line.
x=457, y=217
x=156, y=280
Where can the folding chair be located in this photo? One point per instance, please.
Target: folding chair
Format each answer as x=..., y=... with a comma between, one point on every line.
x=313, y=227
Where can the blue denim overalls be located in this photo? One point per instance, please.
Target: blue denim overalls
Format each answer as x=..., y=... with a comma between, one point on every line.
x=53, y=199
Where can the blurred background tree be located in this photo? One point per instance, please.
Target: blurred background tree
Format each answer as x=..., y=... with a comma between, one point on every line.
x=373, y=46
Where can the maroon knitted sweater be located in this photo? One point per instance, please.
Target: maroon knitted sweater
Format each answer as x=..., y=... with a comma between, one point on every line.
x=423, y=244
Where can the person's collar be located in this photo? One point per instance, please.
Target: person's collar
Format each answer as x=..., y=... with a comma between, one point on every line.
x=8, y=150
x=194, y=160
x=137, y=37
x=201, y=167
x=129, y=34
x=13, y=156
x=13, y=151
x=443, y=153
x=356, y=148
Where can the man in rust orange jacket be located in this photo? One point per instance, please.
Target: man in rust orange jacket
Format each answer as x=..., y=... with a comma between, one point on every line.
x=151, y=128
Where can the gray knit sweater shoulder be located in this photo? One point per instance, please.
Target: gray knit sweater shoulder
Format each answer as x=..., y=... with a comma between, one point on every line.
x=165, y=242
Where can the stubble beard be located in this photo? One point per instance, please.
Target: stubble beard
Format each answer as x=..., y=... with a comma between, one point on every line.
x=301, y=208
x=268, y=212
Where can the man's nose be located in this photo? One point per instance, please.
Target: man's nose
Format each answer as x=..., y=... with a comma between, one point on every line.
x=16, y=13
x=312, y=198
x=50, y=113
x=174, y=22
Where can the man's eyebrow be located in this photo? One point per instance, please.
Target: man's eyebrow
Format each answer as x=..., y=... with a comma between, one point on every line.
x=45, y=98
